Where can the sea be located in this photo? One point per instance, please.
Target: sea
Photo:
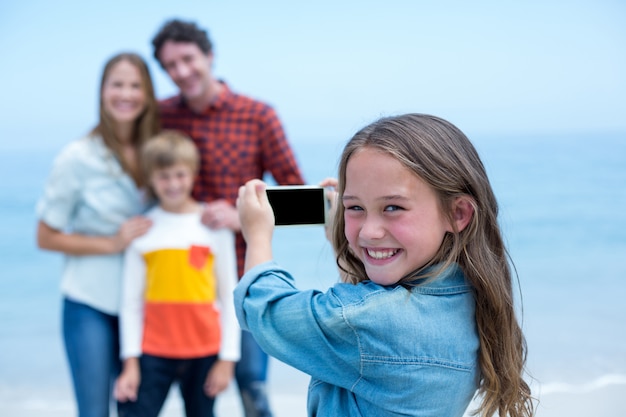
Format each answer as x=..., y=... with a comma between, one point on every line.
x=562, y=211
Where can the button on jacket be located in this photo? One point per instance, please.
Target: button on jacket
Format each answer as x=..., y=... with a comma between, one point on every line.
x=371, y=350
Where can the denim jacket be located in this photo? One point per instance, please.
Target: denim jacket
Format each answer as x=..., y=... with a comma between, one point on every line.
x=370, y=350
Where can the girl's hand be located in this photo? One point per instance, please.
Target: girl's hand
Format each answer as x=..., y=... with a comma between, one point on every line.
x=255, y=213
x=331, y=195
x=257, y=222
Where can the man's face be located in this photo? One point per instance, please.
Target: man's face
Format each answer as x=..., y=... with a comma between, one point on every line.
x=188, y=67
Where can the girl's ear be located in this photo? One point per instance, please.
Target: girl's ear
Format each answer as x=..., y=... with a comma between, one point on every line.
x=462, y=212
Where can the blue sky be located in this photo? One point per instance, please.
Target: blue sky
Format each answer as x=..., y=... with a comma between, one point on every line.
x=331, y=66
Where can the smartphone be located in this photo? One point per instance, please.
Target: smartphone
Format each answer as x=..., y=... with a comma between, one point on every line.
x=297, y=205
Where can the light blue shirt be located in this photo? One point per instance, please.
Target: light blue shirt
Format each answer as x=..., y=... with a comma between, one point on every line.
x=370, y=350
x=87, y=192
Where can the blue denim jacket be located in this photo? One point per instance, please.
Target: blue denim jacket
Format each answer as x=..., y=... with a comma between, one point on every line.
x=370, y=350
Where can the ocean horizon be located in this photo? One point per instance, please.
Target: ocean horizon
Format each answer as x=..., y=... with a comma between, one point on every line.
x=562, y=210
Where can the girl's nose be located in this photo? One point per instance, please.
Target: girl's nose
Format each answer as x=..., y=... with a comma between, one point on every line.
x=372, y=228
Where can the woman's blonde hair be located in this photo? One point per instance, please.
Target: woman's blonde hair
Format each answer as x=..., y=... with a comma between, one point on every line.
x=441, y=155
x=146, y=125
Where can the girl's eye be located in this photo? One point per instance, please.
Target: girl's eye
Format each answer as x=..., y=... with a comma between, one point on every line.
x=393, y=208
x=354, y=208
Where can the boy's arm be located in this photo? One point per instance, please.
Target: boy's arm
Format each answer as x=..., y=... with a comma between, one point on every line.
x=218, y=377
x=132, y=303
x=221, y=373
x=226, y=276
x=131, y=324
x=127, y=384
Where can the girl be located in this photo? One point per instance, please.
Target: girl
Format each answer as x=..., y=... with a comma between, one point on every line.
x=89, y=212
x=425, y=316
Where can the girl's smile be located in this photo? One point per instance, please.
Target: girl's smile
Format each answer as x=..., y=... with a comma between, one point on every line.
x=394, y=224
x=379, y=254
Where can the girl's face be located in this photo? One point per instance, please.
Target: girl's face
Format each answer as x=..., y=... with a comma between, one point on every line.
x=172, y=186
x=393, y=221
x=123, y=96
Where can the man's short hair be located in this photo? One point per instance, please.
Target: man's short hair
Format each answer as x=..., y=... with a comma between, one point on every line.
x=181, y=31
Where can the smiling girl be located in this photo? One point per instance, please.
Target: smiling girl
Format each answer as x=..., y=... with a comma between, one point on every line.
x=424, y=320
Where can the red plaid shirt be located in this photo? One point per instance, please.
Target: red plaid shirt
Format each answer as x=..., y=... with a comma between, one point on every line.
x=239, y=139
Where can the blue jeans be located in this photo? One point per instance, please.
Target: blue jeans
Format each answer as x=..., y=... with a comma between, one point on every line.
x=157, y=376
x=251, y=376
x=92, y=348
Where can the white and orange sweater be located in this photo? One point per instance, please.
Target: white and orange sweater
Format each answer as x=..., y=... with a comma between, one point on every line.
x=177, y=290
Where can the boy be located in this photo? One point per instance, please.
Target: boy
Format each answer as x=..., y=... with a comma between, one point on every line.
x=177, y=318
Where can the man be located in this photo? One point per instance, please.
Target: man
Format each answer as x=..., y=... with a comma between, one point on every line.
x=239, y=139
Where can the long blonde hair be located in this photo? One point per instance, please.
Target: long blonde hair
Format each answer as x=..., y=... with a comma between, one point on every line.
x=440, y=154
x=146, y=125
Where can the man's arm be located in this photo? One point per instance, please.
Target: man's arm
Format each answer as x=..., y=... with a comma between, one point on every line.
x=278, y=156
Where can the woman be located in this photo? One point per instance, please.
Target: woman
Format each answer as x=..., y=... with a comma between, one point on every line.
x=89, y=211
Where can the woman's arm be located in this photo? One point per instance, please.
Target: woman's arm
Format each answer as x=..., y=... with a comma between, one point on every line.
x=77, y=244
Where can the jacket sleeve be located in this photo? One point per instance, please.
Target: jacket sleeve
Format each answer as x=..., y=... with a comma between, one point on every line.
x=305, y=329
x=57, y=205
x=226, y=272
x=132, y=303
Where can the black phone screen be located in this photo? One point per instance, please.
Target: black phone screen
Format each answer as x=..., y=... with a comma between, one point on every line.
x=295, y=205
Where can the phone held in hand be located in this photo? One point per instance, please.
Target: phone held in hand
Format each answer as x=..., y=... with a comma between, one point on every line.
x=297, y=205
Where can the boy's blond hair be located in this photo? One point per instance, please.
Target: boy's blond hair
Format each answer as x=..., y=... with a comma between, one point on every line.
x=168, y=148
